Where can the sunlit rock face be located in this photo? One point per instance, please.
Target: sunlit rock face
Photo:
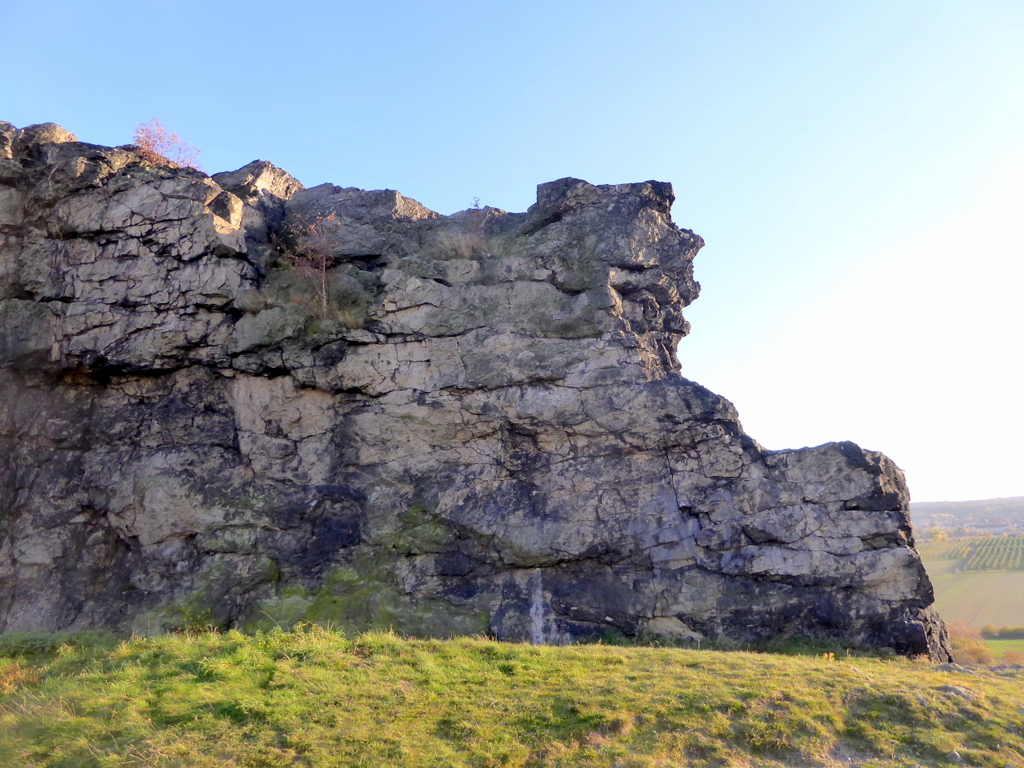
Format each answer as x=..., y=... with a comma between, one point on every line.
x=458, y=424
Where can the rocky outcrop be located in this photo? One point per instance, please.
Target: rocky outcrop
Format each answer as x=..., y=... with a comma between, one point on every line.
x=231, y=400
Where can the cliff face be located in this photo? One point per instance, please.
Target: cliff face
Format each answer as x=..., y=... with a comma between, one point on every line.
x=463, y=424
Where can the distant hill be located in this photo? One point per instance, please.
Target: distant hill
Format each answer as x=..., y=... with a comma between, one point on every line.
x=958, y=518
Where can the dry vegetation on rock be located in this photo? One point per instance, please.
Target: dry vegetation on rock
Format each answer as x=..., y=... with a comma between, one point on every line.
x=156, y=144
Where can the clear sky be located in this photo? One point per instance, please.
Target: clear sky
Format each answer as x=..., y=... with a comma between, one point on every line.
x=856, y=168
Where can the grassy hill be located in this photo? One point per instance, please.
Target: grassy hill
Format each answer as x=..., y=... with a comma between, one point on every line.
x=315, y=698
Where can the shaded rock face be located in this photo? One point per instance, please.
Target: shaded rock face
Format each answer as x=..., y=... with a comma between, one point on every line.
x=478, y=425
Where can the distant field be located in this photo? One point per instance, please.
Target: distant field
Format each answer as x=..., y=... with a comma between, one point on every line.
x=934, y=549
x=979, y=598
x=999, y=647
x=992, y=553
x=977, y=580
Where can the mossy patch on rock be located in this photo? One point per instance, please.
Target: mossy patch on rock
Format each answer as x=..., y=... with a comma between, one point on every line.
x=365, y=595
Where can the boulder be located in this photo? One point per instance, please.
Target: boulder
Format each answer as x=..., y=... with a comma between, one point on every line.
x=234, y=402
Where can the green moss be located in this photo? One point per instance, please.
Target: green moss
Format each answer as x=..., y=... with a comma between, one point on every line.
x=241, y=539
x=207, y=607
x=189, y=614
x=416, y=531
x=365, y=595
x=420, y=532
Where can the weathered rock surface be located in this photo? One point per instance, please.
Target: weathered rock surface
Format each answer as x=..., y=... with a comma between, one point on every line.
x=483, y=428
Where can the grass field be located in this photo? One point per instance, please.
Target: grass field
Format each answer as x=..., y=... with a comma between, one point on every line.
x=982, y=598
x=315, y=698
x=977, y=580
x=977, y=597
x=999, y=647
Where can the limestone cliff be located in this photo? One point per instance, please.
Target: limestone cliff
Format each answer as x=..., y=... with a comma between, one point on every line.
x=461, y=424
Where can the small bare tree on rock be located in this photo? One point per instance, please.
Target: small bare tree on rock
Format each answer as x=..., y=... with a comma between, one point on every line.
x=159, y=145
x=313, y=257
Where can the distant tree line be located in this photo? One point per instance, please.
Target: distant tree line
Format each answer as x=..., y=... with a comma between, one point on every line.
x=1002, y=633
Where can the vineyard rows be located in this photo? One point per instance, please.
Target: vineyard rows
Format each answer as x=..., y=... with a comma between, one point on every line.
x=998, y=553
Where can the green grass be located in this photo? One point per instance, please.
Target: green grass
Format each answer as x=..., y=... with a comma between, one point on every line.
x=999, y=647
x=316, y=698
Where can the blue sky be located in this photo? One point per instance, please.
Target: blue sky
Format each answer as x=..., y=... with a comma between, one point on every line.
x=855, y=168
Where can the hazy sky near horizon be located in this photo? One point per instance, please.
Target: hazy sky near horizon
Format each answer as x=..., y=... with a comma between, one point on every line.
x=856, y=169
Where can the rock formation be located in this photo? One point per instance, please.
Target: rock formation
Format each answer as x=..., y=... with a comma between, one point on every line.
x=230, y=400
